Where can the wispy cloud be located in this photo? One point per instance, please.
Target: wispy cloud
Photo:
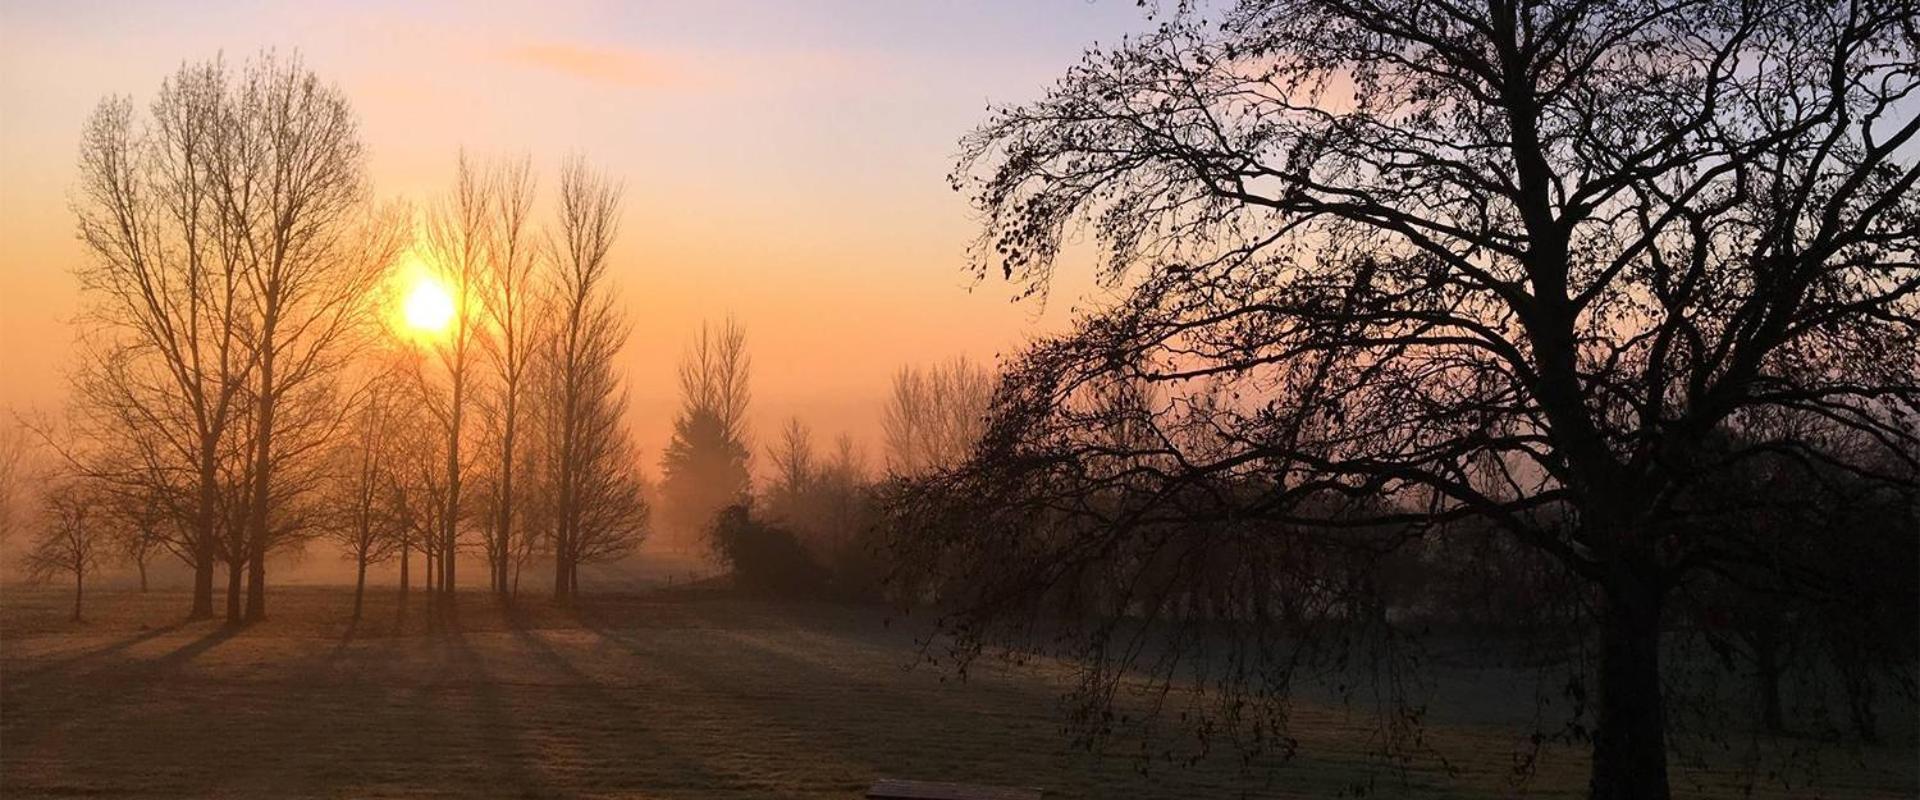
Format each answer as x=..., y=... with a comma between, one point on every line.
x=614, y=66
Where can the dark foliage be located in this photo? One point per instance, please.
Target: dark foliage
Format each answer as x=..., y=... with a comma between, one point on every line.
x=766, y=559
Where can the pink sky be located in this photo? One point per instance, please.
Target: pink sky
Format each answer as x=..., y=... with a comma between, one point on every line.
x=784, y=162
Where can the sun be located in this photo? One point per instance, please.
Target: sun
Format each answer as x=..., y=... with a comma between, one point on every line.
x=428, y=307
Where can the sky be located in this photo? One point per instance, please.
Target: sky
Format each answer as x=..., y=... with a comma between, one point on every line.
x=783, y=161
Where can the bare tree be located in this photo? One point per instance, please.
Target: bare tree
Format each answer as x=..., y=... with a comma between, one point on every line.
x=1520, y=263
x=417, y=492
x=137, y=526
x=934, y=416
x=459, y=233
x=232, y=254
x=292, y=193
x=706, y=464
x=164, y=299
x=714, y=376
x=72, y=540
x=363, y=517
x=823, y=501
x=793, y=460
x=139, y=480
x=14, y=466
x=512, y=305
x=597, y=508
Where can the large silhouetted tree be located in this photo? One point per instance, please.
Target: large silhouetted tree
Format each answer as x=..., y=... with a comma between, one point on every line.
x=293, y=195
x=1518, y=263
x=593, y=476
x=512, y=301
x=166, y=360
x=232, y=256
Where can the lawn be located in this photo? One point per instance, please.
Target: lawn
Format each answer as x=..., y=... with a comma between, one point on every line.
x=663, y=694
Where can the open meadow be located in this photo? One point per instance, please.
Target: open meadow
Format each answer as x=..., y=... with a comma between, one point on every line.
x=669, y=693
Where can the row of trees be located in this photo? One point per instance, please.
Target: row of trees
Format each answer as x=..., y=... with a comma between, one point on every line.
x=247, y=385
x=520, y=387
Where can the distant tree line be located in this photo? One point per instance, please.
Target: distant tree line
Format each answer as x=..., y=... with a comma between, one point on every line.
x=814, y=527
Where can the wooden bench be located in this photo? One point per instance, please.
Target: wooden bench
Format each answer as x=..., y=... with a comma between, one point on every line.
x=894, y=789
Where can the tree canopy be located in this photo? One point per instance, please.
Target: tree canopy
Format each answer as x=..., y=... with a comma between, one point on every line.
x=1548, y=267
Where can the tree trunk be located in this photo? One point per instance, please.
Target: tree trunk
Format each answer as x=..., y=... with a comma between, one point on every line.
x=406, y=548
x=506, y=557
x=143, y=575
x=446, y=565
x=202, y=585
x=1766, y=660
x=1856, y=677
x=447, y=584
x=431, y=576
x=257, y=586
x=560, y=567
x=235, y=569
x=203, y=547
x=448, y=559
x=1629, y=745
x=504, y=528
x=257, y=515
x=360, y=586
x=564, y=524
x=79, y=588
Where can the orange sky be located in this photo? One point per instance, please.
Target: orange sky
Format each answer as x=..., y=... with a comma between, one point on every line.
x=784, y=161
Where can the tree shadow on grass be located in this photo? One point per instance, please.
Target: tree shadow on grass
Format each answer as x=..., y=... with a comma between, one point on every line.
x=611, y=738
x=847, y=694
x=88, y=701
x=56, y=666
x=858, y=723
x=515, y=765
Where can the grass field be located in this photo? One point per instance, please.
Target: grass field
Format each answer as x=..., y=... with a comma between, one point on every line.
x=664, y=694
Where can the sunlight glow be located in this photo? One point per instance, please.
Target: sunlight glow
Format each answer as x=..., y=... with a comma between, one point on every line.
x=428, y=308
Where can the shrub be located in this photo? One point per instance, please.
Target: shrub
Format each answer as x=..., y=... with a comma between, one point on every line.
x=766, y=559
